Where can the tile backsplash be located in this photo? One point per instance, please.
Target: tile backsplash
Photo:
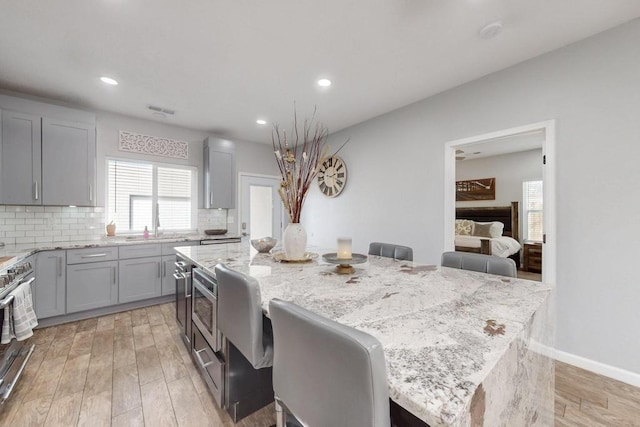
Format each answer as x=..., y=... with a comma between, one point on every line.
x=49, y=224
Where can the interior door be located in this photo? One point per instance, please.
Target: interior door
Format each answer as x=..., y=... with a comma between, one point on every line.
x=261, y=210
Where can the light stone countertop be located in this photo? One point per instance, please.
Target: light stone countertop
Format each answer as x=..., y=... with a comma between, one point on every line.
x=16, y=253
x=431, y=320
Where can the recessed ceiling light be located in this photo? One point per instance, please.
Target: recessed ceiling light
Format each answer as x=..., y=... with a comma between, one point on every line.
x=324, y=82
x=491, y=30
x=109, y=81
x=261, y=122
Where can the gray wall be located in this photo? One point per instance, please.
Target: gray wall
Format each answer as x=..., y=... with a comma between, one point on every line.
x=395, y=187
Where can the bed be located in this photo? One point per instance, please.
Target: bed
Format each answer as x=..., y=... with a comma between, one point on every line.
x=489, y=230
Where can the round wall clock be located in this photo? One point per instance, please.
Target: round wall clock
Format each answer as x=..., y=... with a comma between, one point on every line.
x=332, y=176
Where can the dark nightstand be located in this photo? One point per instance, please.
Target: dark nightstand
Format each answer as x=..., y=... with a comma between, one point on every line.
x=533, y=257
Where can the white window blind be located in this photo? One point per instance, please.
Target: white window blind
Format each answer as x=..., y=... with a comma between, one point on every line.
x=532, y=197
x=135, y=190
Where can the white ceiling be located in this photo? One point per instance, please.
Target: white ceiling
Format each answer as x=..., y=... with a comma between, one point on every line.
x=223, y=64
x=515, y=143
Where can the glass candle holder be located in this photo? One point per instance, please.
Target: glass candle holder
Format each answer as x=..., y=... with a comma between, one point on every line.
x=344, y=248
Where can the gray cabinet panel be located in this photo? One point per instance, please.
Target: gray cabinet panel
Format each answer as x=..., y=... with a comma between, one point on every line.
x=92, y=285
x=219, y=174
x=68, y=163
x=77, y=256
x=168, y=281
x=20, y=158
x=49, y=290
x=140, y=251
x=139, y=279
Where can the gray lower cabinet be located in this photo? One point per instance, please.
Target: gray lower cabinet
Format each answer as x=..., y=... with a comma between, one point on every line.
x=49, y=290
x=139, y=279
x=168, y=281
x=92, y=285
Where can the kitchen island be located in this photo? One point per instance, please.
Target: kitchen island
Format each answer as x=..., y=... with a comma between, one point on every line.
x=462, y=348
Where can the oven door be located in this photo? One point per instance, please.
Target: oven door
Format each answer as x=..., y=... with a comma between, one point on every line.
x=205, y=308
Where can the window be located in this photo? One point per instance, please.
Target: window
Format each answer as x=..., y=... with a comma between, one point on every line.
x=532, y=196
x=138, y=192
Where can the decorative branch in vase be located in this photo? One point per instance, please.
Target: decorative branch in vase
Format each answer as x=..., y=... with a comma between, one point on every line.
x=298, y=158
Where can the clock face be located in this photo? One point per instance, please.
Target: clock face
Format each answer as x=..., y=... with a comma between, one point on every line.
x=332, y=176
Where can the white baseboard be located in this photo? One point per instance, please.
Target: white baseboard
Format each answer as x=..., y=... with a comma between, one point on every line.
x=628, y=377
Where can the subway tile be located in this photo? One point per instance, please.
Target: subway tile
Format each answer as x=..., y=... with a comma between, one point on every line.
x=52, y=209
x=14, y=221
x=20, y=240
x=44, y=239
x=9, y=240
x=44, y=214
x=14, y=233
x=34, y=208
x=9, y=227
x=2, y=208
x=68, y=221
x=5, y=215
x=24, y=227
x=34, y=221
x=14, y=208
x=25, y=215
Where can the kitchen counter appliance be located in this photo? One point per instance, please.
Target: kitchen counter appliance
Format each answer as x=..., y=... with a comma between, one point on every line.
x=14, y=355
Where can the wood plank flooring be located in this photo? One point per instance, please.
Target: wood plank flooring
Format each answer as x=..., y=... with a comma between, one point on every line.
x=126, y=369
x=132, y=369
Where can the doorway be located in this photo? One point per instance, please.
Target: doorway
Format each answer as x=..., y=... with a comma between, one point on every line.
x=261, y=213
x=548, y=177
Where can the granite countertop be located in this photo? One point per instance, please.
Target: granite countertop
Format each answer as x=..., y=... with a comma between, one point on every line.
x=10, y=254
x=432, y=321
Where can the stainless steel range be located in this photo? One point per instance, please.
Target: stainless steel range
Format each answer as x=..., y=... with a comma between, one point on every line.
x=15, y=355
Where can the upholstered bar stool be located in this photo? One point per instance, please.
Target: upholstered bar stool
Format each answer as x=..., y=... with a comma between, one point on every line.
x=248, y=344
x=324, y=373
x=389, y=250
x=479, y=262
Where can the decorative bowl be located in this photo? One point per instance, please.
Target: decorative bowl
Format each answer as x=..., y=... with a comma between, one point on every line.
x=215, y=232
x=264, y=244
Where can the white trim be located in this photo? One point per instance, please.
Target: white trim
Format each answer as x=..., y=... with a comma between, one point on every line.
x=623, y=375
x=283, y=217
x=548, y=176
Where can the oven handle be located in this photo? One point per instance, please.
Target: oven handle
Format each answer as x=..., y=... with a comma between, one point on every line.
x=200, y=361
x=206, y=292
x=8, y=300
x=183, y=276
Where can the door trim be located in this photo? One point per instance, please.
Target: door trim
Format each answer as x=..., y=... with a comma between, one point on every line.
x=283, y=217
x=549, y=188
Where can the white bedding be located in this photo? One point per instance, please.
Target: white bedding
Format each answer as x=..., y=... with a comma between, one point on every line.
x=502, y=246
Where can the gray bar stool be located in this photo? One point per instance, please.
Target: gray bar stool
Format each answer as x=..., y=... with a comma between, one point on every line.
x=478, y=262
x=389, y=250
x=248, y=344
x=324, y=373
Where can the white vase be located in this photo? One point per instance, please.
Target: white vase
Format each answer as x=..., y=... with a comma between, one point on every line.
x=294, y=240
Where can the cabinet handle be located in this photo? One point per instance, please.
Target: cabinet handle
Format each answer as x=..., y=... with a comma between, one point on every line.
x=90, y=193
x=60, y=266
x=159, y=269
x=114, y=275
x=200, y=361
x=210, y=199
x=36, y=194
x=93, y=256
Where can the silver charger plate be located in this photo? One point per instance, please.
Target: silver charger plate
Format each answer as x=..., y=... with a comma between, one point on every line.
x=282, y=257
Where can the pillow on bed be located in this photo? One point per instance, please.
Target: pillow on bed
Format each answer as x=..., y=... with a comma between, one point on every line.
x=464, y=227
x=488, y=229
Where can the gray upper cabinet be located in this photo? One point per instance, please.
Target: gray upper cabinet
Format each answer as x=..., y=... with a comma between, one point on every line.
x=219, y=173
x=47, y=154
x=20, y=159
x=50, y=289
x=68, y=163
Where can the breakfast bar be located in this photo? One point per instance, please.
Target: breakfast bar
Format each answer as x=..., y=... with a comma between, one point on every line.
x=462, y=348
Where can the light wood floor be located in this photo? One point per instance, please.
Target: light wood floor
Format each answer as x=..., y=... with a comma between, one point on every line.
x=132, y=369
x=127, y=369
x=587, y=399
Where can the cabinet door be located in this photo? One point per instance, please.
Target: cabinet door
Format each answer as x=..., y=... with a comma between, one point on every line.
x=20, y=157
x=168, y=281
x=92, y=285
x=68, y=163
x=139, y=279
x=50, y=288
x=220, y=170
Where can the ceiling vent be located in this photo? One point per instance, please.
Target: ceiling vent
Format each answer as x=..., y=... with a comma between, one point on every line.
x=155, y=109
